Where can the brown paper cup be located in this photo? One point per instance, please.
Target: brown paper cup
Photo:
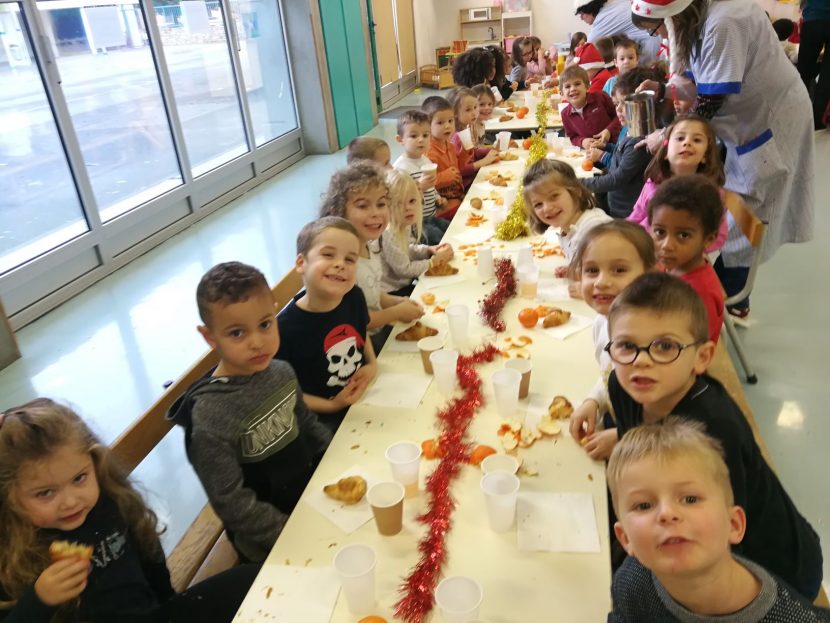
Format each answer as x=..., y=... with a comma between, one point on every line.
x=427, y=346
x=386, y=500
x=524, y=366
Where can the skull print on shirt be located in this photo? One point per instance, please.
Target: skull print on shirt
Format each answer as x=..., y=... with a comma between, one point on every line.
x=344, y=351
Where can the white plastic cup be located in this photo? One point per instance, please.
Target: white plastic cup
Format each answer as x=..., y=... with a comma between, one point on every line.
x=466, y=138
x=500, y=463
x=506, y=383
x=534, y=89
x=404, y=459
x=528, y=280
x=497, y=214
x=458, y=317
x=355, y=564
x=550, y=139
x=530, y=100
x=509, y=195
x=504, y=140
x=496, y=94
x=443, y=369
x=485, y=261
x=459, y=599
x=429, y=168
x=523, y=367
x=501, y=492
x=525, y=257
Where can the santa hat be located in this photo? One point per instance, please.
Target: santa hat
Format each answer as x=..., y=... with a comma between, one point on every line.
x=658, y=9
x=341, y=333
x=590, y=58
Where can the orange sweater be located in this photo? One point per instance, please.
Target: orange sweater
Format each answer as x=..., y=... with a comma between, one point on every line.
x=448, y=183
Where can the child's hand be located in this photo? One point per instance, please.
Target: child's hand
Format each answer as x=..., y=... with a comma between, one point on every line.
x=408, y=310
x=62, y=581
x=456, y=174
x=349, y=395
x=584, y=420
x=442, y=253
x=514, y=85
x=575, y=289
x=361, y=380
x=440, y=201
x=603, y=137
x=588, y=143
x=427, y=180
x=595, y=155
x=599, y=445
x=491, y=157
x=560, y=272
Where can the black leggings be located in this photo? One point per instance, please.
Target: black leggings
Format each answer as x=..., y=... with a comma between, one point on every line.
x=815, y=35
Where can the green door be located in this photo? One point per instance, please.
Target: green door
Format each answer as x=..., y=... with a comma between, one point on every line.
x=343, y=31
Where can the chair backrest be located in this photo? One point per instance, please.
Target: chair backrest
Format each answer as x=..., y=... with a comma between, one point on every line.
x=751, y=226
x=146, y=432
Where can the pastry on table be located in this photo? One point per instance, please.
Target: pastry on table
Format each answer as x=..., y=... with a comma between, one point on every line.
x=59, y=550
x=560, y=408
x=556, y=318
x=509, y=156
x=441, y=270
x=416, y=332
x=498, y=180
x=349, y=490
x=428, y=298
x=504, y=118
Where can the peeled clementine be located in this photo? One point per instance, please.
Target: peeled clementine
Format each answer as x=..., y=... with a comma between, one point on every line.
x=587, y=165
x=430, y=449
x=480, y=453
x=528, y=317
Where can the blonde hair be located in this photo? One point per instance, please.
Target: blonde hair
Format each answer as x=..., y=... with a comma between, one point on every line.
x=32, y=432
x=456, y=96
x=363, y=148
x=665, y=441
x=358, y=176
x=561, y=174
x=401, y=187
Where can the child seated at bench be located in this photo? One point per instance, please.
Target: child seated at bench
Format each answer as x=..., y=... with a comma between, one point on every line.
x=78, y=541
x=248, y=434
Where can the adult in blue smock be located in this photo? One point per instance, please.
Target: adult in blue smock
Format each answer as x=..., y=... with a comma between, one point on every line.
x=759, y=108
x=609, y=18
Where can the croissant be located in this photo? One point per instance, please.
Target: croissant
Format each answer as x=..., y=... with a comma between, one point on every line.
x=441, y=270
x=556, y=317
x=349, y=490
x=59, y=550
x=416, y=332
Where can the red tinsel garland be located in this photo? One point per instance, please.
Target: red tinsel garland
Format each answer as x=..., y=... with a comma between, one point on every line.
x=491, y=306
x=419, y=588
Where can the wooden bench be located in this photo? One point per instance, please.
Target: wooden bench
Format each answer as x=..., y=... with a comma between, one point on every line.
x=204, y=550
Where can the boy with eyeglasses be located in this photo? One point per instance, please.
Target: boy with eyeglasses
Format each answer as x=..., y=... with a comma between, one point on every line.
x=660, y=350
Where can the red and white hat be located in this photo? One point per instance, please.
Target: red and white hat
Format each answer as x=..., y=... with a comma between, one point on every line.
x=658, y=9
x=590, y=58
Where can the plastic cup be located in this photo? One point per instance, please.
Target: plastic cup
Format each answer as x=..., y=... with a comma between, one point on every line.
x=528, y=281
x=466, y=138
x=429, y=168
x=443, y=369
x=523, y=367
x=485, y=262
x=550, y=139
x=355, y=564
x=501, y=491
x=509, y=195
x=497, y=214
x=458, y=317
x=496, y=94
x=386, y=500
x=530, y=99
x=427, y=346
x=506, y=384
x=504, y=140
x=534, y=89
x=459, y=599
x=525, y=257
x=500, y=463
x=405, y=460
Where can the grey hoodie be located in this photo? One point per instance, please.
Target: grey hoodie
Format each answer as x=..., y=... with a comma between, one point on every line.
x=254, y=446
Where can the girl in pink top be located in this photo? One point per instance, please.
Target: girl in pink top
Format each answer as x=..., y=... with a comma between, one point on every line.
x=689, y=148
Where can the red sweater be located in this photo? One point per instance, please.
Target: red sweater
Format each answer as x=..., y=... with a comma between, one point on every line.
x=448, y=183
x=598, y=81
x=708, y=286
x=597, y=115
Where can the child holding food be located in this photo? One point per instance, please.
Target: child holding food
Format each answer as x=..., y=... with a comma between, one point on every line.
x=470, y=157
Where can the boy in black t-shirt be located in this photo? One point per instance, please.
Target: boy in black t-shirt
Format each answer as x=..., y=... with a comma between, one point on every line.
x=324, y=328
x=660, y=349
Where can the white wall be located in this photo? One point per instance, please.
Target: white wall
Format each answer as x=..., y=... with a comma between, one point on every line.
x=436, y=21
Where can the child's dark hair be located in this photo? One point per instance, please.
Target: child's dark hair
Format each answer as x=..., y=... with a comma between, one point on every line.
x=363, y=148
x=410, y=117
x=605, y=47
x=711, y=166
x=517, y=53
x=499, y=59
x=480, y=90
x=472, y=67
x=560, y=173
x=576, y=40
x=456, y=96
x=591, y=8
x=308, y=234
x=627, y=83
x=435, y=104
x=695, y=194
x=624, y=43
x=574, y=72
x=359, y=176
x=662, y=293
x=229, y=282
x=783, y=28
x=32, y=433
x=636, y=235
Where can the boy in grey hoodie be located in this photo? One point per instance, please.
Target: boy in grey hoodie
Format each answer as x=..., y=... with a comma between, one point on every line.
x=248, y=434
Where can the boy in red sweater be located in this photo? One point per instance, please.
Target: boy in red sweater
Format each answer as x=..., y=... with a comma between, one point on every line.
x=441, y=127
x=590, y=119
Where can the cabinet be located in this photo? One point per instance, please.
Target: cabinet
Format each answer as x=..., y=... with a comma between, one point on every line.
x=480, y=31
x=515, y=24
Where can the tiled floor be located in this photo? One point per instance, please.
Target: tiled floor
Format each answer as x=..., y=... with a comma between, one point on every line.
x=109, y=350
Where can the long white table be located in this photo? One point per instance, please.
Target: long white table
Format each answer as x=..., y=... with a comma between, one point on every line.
x=554, y=119
x=518, y=585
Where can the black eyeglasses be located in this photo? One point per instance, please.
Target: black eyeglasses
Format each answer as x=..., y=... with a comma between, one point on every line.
x=660, y=350
x=654, y=30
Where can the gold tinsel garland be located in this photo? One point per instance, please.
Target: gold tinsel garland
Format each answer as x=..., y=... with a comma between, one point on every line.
x=515, y=225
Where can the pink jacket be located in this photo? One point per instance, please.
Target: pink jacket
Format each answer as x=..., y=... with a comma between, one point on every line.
x=639, y=214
